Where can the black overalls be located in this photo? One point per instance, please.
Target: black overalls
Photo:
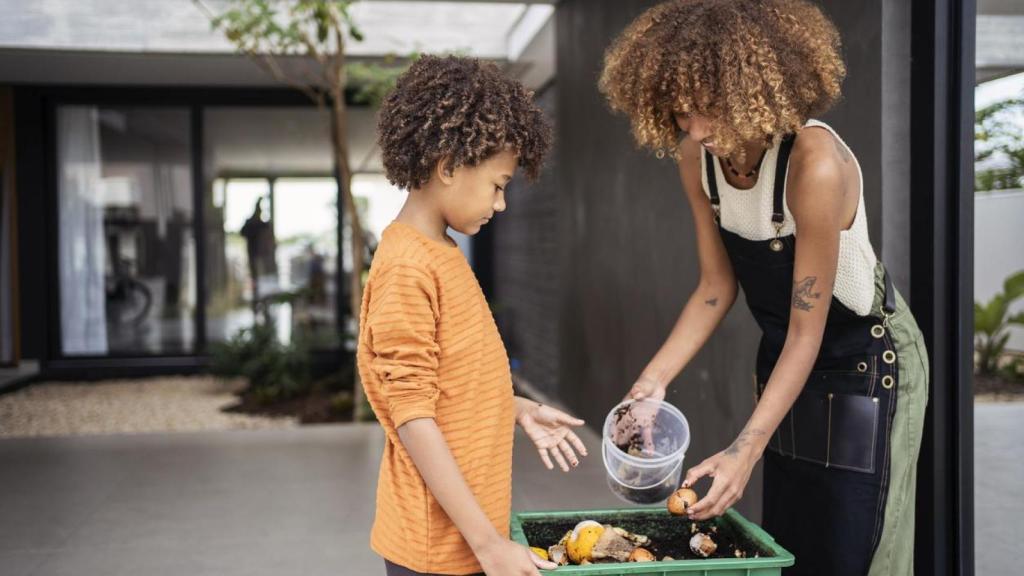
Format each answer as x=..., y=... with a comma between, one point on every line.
x=827, y=467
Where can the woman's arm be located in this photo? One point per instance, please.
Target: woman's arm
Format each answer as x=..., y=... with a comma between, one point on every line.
x=426, y=446
x=815, y=195
x=710, y=300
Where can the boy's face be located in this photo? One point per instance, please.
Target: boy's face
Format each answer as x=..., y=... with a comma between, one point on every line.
x=476, y=193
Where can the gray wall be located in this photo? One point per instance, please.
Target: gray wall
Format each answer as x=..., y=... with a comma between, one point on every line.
x=626, y=259
x=894, y=244
x=998, y=253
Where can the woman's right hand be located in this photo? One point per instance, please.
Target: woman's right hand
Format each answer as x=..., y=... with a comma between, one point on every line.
x=504, y=557
x=646, y=387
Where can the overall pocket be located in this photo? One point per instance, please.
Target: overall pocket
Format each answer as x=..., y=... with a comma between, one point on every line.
x=833, y=423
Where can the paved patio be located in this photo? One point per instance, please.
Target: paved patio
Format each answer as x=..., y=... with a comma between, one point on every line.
x=998, y=477
x=300, y=501
x=289, y=501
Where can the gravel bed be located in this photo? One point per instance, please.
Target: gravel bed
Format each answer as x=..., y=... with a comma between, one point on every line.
x=164, y=404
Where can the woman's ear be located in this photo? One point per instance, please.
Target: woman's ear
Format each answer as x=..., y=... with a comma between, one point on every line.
x=444, y=170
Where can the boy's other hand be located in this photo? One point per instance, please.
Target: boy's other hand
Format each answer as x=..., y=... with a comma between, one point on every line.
x=551, y=430
x=504, y=557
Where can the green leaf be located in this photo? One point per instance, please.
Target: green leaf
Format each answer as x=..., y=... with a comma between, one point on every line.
x=997, y=130
x=1017, y=318
x=323, y=22
x=1013, y=287
x=1000, y=344
x=988, y=318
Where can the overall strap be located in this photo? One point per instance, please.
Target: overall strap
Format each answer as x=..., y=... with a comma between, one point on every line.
x=781, y=166
x=889, y=303
x=888, y=306
x=709, y=169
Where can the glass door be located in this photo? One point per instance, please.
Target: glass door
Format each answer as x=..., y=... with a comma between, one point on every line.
x=126, y=251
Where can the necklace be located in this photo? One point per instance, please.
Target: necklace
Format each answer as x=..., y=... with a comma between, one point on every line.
x=752, y=171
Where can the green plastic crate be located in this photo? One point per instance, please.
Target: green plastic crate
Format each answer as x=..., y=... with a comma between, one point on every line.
x=762, y=566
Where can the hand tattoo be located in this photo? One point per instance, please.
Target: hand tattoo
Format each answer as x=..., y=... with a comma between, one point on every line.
x=712, y=302
x=802, y=291
x=743, y=440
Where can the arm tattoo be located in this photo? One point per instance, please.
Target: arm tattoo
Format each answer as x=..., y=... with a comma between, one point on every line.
x=743, y=440
x=712, y=302
x=802, y=291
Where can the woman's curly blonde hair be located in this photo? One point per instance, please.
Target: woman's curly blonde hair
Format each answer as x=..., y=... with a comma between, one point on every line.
x=754, y=68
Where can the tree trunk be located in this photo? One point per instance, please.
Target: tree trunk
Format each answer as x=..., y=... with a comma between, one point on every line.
x=343, y=174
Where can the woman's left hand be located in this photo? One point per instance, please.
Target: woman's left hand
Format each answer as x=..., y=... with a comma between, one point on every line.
x=551, y=430
x=730, y=469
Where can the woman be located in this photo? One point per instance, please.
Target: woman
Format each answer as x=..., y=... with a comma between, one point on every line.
x=730, y=88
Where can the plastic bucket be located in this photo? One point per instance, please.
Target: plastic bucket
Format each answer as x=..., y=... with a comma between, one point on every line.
x=643, y=446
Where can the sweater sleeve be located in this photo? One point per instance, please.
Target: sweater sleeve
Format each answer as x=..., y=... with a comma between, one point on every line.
x=402, y=320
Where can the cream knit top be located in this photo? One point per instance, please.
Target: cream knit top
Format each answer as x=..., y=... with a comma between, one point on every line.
x=748, y=213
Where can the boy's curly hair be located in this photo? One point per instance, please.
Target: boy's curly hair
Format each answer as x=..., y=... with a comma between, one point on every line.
x=462, y=109
x=754, y=68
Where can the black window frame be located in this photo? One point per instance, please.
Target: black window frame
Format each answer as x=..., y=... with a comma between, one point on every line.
x=941, y=161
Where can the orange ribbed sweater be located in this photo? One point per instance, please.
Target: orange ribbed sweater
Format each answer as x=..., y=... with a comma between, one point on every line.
x=429, y=347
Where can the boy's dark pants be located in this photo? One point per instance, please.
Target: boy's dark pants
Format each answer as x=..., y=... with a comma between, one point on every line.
x=396, y=570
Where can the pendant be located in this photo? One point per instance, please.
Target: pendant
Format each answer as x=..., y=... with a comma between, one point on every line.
x=776, y=245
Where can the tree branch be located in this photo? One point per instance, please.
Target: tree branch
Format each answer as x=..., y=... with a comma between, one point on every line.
x=311, y=47
x=269, y=64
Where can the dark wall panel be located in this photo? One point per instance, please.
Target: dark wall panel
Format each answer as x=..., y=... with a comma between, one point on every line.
x=858, y=116
x=528, y=279
x=34, y=226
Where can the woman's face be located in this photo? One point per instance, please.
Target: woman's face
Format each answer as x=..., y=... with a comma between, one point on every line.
x=696, y=128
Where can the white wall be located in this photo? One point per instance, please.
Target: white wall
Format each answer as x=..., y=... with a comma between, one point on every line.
x=998, y=247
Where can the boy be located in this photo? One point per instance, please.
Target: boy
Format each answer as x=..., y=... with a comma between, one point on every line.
x=430, y=357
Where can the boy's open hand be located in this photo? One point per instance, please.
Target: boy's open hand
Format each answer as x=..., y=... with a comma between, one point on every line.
x=551, y=431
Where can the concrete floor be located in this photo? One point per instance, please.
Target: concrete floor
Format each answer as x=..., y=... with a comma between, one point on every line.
x=998, y=478
x=297, y=501
x=300, y=501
